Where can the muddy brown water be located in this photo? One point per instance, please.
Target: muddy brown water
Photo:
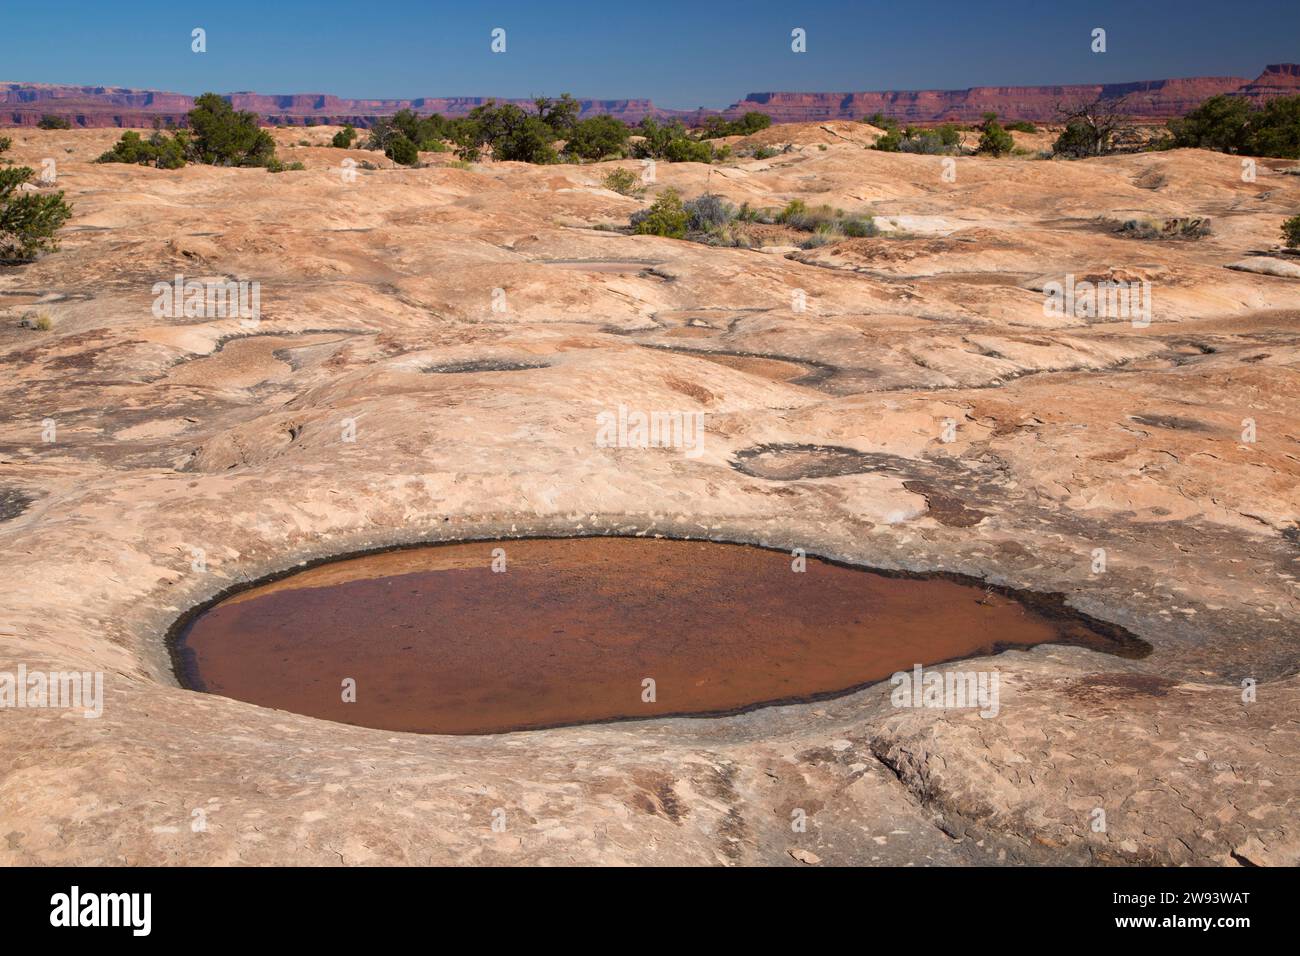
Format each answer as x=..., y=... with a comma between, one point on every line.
x=438, y=642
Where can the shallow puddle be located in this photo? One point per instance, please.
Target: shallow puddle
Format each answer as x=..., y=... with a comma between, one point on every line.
x=436, y=641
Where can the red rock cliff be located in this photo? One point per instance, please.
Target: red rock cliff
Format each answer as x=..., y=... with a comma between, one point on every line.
x=23, y=104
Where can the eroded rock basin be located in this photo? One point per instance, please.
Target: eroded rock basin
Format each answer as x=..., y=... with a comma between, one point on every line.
x=570, y=632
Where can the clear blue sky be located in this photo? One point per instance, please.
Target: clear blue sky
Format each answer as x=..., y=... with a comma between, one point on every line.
x=680, y=54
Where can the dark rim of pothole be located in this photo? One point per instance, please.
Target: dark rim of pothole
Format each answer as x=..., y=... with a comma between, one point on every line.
x=483, y=365
x=817, y=374
x=13, y=503
x=1051, y=606
x=822, y=461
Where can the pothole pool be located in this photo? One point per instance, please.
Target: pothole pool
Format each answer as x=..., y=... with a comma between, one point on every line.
x=439, y=639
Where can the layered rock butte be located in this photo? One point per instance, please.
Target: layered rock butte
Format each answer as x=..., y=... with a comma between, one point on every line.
x=23, y=104
x=131, y=443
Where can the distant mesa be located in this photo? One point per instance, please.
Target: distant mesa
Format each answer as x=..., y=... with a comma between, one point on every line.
x=23, y=104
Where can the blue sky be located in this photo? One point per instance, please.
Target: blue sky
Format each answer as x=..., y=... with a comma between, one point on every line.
x=680, y=54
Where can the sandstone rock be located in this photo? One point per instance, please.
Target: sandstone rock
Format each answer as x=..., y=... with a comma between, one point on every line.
x=1269, y=266
x=897, y=401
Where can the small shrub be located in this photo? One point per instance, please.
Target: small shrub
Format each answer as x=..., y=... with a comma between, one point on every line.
x=686, y=150
x=818, y=239
x=1091, y=127
x=892, y=141
x=708, y=212
x=529, y=142
x=797, y=215
x=747, y=213
x=507, y=130
x=752, y=122
x=597, y=137
x=161, y=150
x=560, y=115
x=929, y=142
x=994, y=140
x=671, y=142
x=826, y=222
x=43, y=322
x=624, y=182
x=794, y=209
x=401, y=150
x=1219, y=123
x=221, y=136
x=1021, y=126
x=1139, y=229
x=728, y=236
x=665, y=217
x=428, y=133
x=859, y=227
x=1291, y=232
x=53, y=122
x=276, y=166
x=949, y=134
x=716, y=127
x=945, y=138
x=1275, y=128
x=381, y=131
x=28, y=220
x=5, y=143
x=345, y=137
x=1076, y=142
x=1180, y=228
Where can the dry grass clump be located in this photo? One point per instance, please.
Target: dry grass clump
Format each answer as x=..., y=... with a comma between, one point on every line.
x=1189, y=227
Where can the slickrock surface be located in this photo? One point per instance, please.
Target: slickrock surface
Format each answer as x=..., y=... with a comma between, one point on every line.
x=191, y=455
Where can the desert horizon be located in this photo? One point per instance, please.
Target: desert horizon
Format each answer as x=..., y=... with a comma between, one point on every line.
x=905, y=479
x=25, y=104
